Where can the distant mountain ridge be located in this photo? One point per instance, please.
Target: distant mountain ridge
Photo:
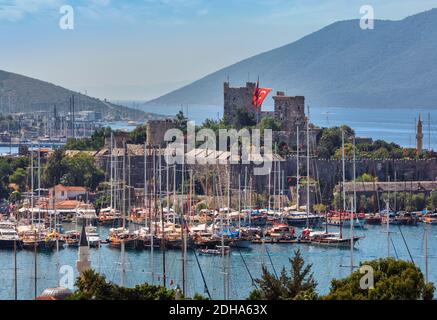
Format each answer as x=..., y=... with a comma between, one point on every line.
x=394, y=65
x=23, y=94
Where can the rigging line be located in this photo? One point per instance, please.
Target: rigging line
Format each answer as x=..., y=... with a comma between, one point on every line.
x=406, y=245
x=394, y=248
x=203, y=277
x=247, y=268
x=271, y=262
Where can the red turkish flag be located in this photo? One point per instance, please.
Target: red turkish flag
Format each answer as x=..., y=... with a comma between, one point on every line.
x=259, y=96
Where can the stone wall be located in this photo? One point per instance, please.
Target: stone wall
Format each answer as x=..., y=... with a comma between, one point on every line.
x=156, y=130
x=236, y=99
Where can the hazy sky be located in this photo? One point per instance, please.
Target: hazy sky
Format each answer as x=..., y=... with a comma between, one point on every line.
x=138, y=49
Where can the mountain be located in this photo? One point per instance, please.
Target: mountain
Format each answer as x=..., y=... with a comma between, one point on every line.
x=341, y=65
x=23, y=94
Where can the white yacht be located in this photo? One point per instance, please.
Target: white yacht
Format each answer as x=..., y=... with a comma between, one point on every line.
x=8, y=235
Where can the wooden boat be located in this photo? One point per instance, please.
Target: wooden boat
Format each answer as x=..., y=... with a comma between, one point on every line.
x=406, y=219
x=217, y=251
x=300, y=219
x=117, y=236
x=72, y=238
x=330, y=239
x=430, y=218
x=281, y=232
x=373, y=219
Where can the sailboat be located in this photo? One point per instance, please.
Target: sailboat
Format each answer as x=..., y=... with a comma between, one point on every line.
x=111, y=215
x=297, y=218
x=333, y=239
x=122, y=237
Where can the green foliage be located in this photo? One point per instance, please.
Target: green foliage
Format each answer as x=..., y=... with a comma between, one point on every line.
x=181, y=121
x=365, y=177
x=269, y=123
x=138, y=135
x=337, y=202
x=79, y=170
x=296, y=285
x=320, y=208
x=96, y=142
x=431, y=202
x=393, y=280
x=93, y=286
x=244, y=119
x=54, y=169
x=330, y=140
x=15, y=197
x=19, y=177
x=8, y=166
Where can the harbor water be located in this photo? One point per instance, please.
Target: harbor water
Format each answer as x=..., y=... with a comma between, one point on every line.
x=327, y=263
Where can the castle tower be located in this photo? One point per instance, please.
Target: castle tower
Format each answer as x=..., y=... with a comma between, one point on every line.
x=419, y=135
x=83, y=263
x=239, y=99
x=290, y=111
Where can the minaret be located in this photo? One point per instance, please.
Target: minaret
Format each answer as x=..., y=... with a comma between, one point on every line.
x=83, y=263
x=419, y=135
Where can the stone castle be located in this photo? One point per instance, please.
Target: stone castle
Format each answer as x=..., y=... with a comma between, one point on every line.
x=288, y=110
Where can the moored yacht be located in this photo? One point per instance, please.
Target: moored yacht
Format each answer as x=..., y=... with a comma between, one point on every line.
x=8, y=235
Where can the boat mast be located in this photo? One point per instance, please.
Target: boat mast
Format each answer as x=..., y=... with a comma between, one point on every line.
x=426, y=253
x=145, y=186
x=308, y=169
x=297, y=169
x=164, y=275
x=39, y=182
x=153, y=219
x=112, y=174
x=239, y=201
x=388, y=227
x=343, y=182
x=31, y=184
x=15, y=271
x=353, y=210
x=123, y=262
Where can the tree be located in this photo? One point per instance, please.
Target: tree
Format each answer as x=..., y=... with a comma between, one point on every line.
x=299, y=284
x=93, y=286
x=54, y=169
x=95, y=142
x=432, y=200
x=393, y=280
x=320, y=208
x=81, y=170
x=365, y=177
x=19, y=177
x=181, y=122
x=244, y=119
x=139, y=135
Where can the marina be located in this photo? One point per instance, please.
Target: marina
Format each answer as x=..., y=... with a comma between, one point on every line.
x=326, y=262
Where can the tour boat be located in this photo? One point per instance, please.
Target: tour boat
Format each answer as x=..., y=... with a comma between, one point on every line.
x=92, y=236
x=72, y=238
x=300, y=219
x=430, y=218
x=331, y=239
x=217, y=251
x=373, y=219
x=8, y=235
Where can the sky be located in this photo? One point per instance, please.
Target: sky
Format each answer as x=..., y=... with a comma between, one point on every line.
x=140, y=49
